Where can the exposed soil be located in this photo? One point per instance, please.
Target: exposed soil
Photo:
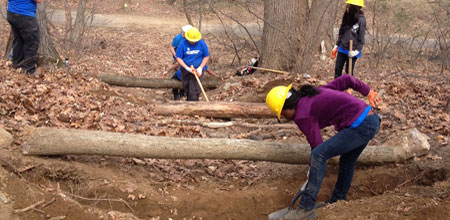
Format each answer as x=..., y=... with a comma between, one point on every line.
x=102, y=187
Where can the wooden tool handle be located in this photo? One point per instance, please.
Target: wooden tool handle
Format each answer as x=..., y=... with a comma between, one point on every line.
x=199, y=82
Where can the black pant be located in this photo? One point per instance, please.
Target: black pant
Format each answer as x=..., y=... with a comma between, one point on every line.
x=190, y=85
x=25, y=42
x=177, y=93
x=340, y=61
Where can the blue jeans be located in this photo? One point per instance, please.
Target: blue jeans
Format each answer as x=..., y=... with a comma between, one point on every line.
x=349, y=143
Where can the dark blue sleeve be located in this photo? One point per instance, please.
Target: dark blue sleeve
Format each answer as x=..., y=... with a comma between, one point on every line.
x=180, y=50
x=205, y=49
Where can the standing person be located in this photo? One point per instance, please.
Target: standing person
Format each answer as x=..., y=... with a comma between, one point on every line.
x=315, y=108
x=22, y=18
x=353, y=28
x=177, y=93
x=194, y=52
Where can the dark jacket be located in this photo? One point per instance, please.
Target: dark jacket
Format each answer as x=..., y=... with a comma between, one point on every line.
x=356, y=33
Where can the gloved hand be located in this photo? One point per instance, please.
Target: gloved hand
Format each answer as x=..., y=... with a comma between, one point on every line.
x=353, y=53
x=189, y=70
x=373, y=102
x=199, y=71
x=165, y=74
x=334, y=52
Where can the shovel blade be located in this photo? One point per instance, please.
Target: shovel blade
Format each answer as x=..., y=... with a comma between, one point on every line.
x=278, y=214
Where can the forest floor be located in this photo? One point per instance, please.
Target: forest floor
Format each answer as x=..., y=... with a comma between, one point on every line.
x=103, y=187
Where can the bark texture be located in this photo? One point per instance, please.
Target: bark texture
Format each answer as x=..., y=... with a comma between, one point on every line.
x=53, y=141
x=76, y=34
x=47, y=51
x=8, y=44
x=156, y=83
x=215, y=109
x=293, y=31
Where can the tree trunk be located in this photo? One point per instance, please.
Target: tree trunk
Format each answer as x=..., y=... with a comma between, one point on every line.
x=9, y=44
x=215, y=109
x=292, y=30
x=186, y=13
x=53, y=141
x=76, y=35
x=67, y=26
x=151, y=82
x=47, y=52
x=211, y=124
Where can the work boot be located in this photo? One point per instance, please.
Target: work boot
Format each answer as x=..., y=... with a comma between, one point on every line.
x=300, y=213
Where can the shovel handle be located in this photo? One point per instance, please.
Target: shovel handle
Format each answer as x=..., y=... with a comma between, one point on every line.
x=199, y=82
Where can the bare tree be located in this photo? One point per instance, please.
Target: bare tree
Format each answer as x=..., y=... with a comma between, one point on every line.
x=187, y=12
x=441, y=29
x=292, y=30
x=47, y=52
x=197, y=8
x=75, y=32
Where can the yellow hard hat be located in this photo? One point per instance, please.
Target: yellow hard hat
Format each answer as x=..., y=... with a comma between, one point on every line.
x=276, y=97
x=193, y=35
x=356, y=2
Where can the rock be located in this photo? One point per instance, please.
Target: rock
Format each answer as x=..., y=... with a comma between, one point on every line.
x=411, y=143
x=5, y=138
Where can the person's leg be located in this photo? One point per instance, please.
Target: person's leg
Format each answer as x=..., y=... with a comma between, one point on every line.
x=194, y=89
x=345, y=141
x=181, y=93
x=340, y=61
x=367, y=130
x=30, y=34
x=185, y=76
x=176, y=95
x=17, y=44
x=346, y=169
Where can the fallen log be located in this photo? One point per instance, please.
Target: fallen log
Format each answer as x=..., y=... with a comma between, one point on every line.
x=215, y=109
x=215, y=125
x=54, y=141
x=155, y=83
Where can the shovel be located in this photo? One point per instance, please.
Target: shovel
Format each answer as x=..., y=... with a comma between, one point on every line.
x=282, y=212
x=199, y=82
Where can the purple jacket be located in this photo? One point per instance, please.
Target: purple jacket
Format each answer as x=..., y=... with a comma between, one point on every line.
x=331, y=106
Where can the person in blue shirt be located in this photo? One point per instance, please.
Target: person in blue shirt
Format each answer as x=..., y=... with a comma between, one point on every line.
x=177, y=94
x=192, y=52
x=22, y=18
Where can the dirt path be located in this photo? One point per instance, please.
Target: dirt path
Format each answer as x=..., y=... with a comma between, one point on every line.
x=163, y=21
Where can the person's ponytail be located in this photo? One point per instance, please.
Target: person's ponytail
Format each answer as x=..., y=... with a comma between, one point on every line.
x=306, y=90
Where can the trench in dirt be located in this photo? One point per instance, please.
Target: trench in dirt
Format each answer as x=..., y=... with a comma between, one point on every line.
x=97, y=185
